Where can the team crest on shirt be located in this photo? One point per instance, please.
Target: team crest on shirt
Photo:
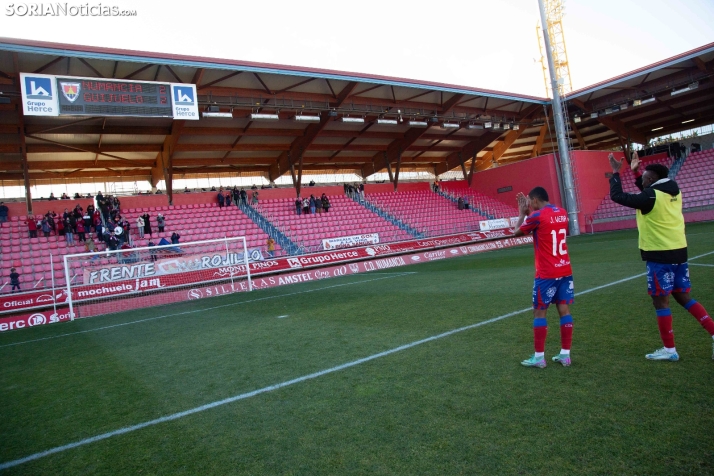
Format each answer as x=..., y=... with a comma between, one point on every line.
x=668, y=278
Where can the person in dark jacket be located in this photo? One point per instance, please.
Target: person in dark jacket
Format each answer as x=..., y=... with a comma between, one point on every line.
x=663, y=246
x=325, y=202
x=221, y=199
x=147, y=224
x=3, y=212
x=228, y=199
x=14, y=280
x=298, y=205
x=175, y=238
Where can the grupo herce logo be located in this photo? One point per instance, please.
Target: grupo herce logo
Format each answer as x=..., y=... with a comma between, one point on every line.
x=38, y=87
x=36, y=320
x=195, y=294
x=184, y=96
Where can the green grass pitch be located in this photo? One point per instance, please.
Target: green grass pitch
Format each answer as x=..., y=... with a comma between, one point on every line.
x=461, y=404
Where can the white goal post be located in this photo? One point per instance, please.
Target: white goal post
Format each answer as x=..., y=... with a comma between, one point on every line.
x=107, y=281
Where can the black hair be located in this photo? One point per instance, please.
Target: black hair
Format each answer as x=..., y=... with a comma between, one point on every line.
x=539, y=193
x=659, y=169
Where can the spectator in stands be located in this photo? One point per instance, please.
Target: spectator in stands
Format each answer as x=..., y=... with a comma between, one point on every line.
x=436, y=186
x=186, y=190
x=318, y=205
x=460, y=203
x=244, y=196
x=236, y=196
x=68, y=232
x=87, y=219
x=152, y=253
x=175, y=238
x=3, y=212
x=466, y=203
x=271, y=246
x=346, y=187
x=228, y=199
x=46, y=228
x=254, y=187
x=140, y=226
x=305, y=206
x=120, y=234
x=221, y=199
x=255, y=197
x=312, y=183
x=64, y=196
x=312, y=204
x=89, y=246
x=76, y=195
x=160, y=222
x=298, y=205
x=213, y=188
x=112, y=242
x=158, y=192
x=52, y=196
x=325, y=203
x=14, y=279
x=80, y=231
x=147, y=224
x=361, y=191
x=89, y=195
x=51, y=215
x=96, y=220
x=60, y=227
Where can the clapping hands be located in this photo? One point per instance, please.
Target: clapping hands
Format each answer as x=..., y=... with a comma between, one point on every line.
x=523, y=206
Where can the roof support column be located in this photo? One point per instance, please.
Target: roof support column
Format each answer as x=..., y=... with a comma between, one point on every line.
x=389, y=168
x=471, y=172
x=25, y=165
x=396, y=176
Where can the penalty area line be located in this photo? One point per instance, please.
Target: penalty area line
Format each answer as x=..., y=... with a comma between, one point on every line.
x=287, y=383
x=389, y=276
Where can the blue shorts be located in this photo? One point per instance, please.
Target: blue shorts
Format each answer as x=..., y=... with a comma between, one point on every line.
x=664, y=279
x=553, y=291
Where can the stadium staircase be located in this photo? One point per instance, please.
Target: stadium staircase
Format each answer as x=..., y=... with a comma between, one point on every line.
x=384, y=214
x=280, y=238
x=473, y=207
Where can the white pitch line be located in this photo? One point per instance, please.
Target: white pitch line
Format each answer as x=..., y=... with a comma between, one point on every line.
x=283, y=317
x=202, y=310
x=277, y=386
x=702, y=264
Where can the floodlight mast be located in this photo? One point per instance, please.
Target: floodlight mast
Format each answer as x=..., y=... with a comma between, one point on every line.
x=571, y=205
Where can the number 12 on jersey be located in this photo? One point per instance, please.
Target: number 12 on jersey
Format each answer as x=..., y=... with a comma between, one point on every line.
x=558, y=246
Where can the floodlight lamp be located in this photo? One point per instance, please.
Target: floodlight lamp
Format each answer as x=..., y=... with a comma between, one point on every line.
x=475, y=126
x=307, y=118
x=637, y=102
x=434, y=119
x=487, y=125
x=390, y=122
x=496, y=125
x=354, y=120
x=225, y=115
x=506, y=126
x=417, y=123
x=593, y=115
x=576, y=119
x=515, y=127
x=450, y=125
x=657, y=128
x=264, y=117
x=648, y=100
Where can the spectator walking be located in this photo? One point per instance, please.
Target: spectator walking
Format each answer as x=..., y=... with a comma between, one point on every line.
x=160, y=222
x=244, y=196
x=271, y=246
x=140, y=226
x=32, y=226
x=255, y=197
x=221, y=199
x=14, y=279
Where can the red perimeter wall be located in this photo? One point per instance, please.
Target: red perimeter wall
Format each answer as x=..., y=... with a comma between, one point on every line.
x=590, y=167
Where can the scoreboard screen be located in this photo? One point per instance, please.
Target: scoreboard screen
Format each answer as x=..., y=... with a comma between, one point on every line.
x=102, y=97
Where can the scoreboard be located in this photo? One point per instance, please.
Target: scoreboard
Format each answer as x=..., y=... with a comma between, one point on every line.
x=99, y=97
x=46, y=95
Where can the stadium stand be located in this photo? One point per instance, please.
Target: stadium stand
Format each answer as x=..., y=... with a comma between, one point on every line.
x=345, y=217
x=483, y=204
x=695, y=179
x=37, y=259
x=609, y=210
x=426, y=212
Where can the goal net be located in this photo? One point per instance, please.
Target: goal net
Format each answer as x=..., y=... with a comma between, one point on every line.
x=112, y=281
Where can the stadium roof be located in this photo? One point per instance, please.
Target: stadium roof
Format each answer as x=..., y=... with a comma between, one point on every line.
x=62, y=147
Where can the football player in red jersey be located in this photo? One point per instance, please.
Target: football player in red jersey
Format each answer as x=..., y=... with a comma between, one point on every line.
x=553, y=282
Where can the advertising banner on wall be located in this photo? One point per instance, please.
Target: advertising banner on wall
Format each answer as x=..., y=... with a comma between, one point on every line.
x=39, y=95
x=350, y=241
